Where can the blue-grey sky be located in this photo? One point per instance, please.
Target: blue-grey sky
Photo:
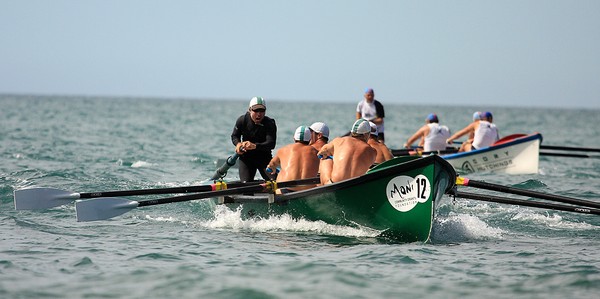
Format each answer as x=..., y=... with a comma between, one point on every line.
x=497, y=53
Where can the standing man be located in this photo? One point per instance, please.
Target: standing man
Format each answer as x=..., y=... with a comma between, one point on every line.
x=371, y=110
x=319, y=135
x=348, y=156
x=433, y=135
x=254, y=136
x=298, y=160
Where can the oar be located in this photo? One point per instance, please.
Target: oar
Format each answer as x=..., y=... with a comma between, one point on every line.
x=568, y=155
x=222, y=171
x=45, y=198
x=108, y=207
x=461, y=181
x=529, y=203
x=414, y=151
x=570, y=148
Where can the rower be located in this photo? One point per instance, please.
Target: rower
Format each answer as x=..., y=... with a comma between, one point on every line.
x=352, y=155
x=383, y=152
x=433, y=135
x=319, y=134
x=297, y=160
x=485, y=134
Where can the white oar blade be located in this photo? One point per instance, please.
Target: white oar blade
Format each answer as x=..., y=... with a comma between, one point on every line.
x=42, y=198
x=103, y=208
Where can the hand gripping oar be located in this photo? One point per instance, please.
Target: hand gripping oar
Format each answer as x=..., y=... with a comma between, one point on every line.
x=108, y=207
x=564, y=199
x=45, y=198
x=222, y=171
x=529, y=203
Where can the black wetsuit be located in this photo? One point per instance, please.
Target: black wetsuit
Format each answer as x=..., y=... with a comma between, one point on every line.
x=264, y=135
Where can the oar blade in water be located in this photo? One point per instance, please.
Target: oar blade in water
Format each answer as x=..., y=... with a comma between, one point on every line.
x=103, y=208
x=42, y=198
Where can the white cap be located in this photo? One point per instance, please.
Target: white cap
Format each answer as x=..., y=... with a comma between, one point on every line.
x=302, y=134
x=374, y=130
x=361, y=126
x=258, y=101
x=320, y=127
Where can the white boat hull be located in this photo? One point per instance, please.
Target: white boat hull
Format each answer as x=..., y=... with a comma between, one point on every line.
x=518, y=156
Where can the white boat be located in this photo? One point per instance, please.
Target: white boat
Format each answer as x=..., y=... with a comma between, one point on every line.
x=514, y=154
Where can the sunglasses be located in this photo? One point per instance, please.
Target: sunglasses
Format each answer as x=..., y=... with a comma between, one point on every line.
x=259, y=110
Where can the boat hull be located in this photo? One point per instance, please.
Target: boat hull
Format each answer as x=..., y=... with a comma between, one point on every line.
x=516, y=156
x=396, y=198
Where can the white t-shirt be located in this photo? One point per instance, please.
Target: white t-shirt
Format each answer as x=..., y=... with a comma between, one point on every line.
x=485, y=134
x=368, y=111
x=436, y=139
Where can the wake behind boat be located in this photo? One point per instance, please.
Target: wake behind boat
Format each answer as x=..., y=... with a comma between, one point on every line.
x=396, y=197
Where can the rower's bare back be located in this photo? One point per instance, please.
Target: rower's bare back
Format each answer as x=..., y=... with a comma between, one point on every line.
x=352, y=158
x=298, y=162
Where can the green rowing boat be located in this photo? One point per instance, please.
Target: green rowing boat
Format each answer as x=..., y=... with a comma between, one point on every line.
x=396, y=198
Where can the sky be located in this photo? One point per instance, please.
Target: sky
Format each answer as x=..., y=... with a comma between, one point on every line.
x=495, y=53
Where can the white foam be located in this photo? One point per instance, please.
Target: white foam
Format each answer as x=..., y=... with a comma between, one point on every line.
x=463, y=227
x=161, y=219
x=225, y=218
x=138, y=164
x=552, y=221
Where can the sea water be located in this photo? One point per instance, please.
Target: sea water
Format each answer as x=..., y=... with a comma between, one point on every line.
x=199, y=250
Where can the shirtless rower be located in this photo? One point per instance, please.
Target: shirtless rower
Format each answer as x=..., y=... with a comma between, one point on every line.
x=348, y=156
x=383, y=152
x=320, y=135
x=297, y=160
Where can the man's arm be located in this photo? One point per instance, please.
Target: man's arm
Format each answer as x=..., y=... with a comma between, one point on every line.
x=236, y=135
x=460, y=133
x=387, y=153
x=326, y=151
x=274, y=163
x=415, y=136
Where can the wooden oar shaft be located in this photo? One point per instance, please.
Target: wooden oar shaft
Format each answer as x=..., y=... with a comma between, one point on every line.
x=529, y=203
x=201, y=195
x=570, y=148
x=518, y=191
x=188, y=189
x=109, y=207
x=254, y=188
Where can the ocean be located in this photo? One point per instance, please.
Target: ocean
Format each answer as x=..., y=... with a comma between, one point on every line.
x=199, y=250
